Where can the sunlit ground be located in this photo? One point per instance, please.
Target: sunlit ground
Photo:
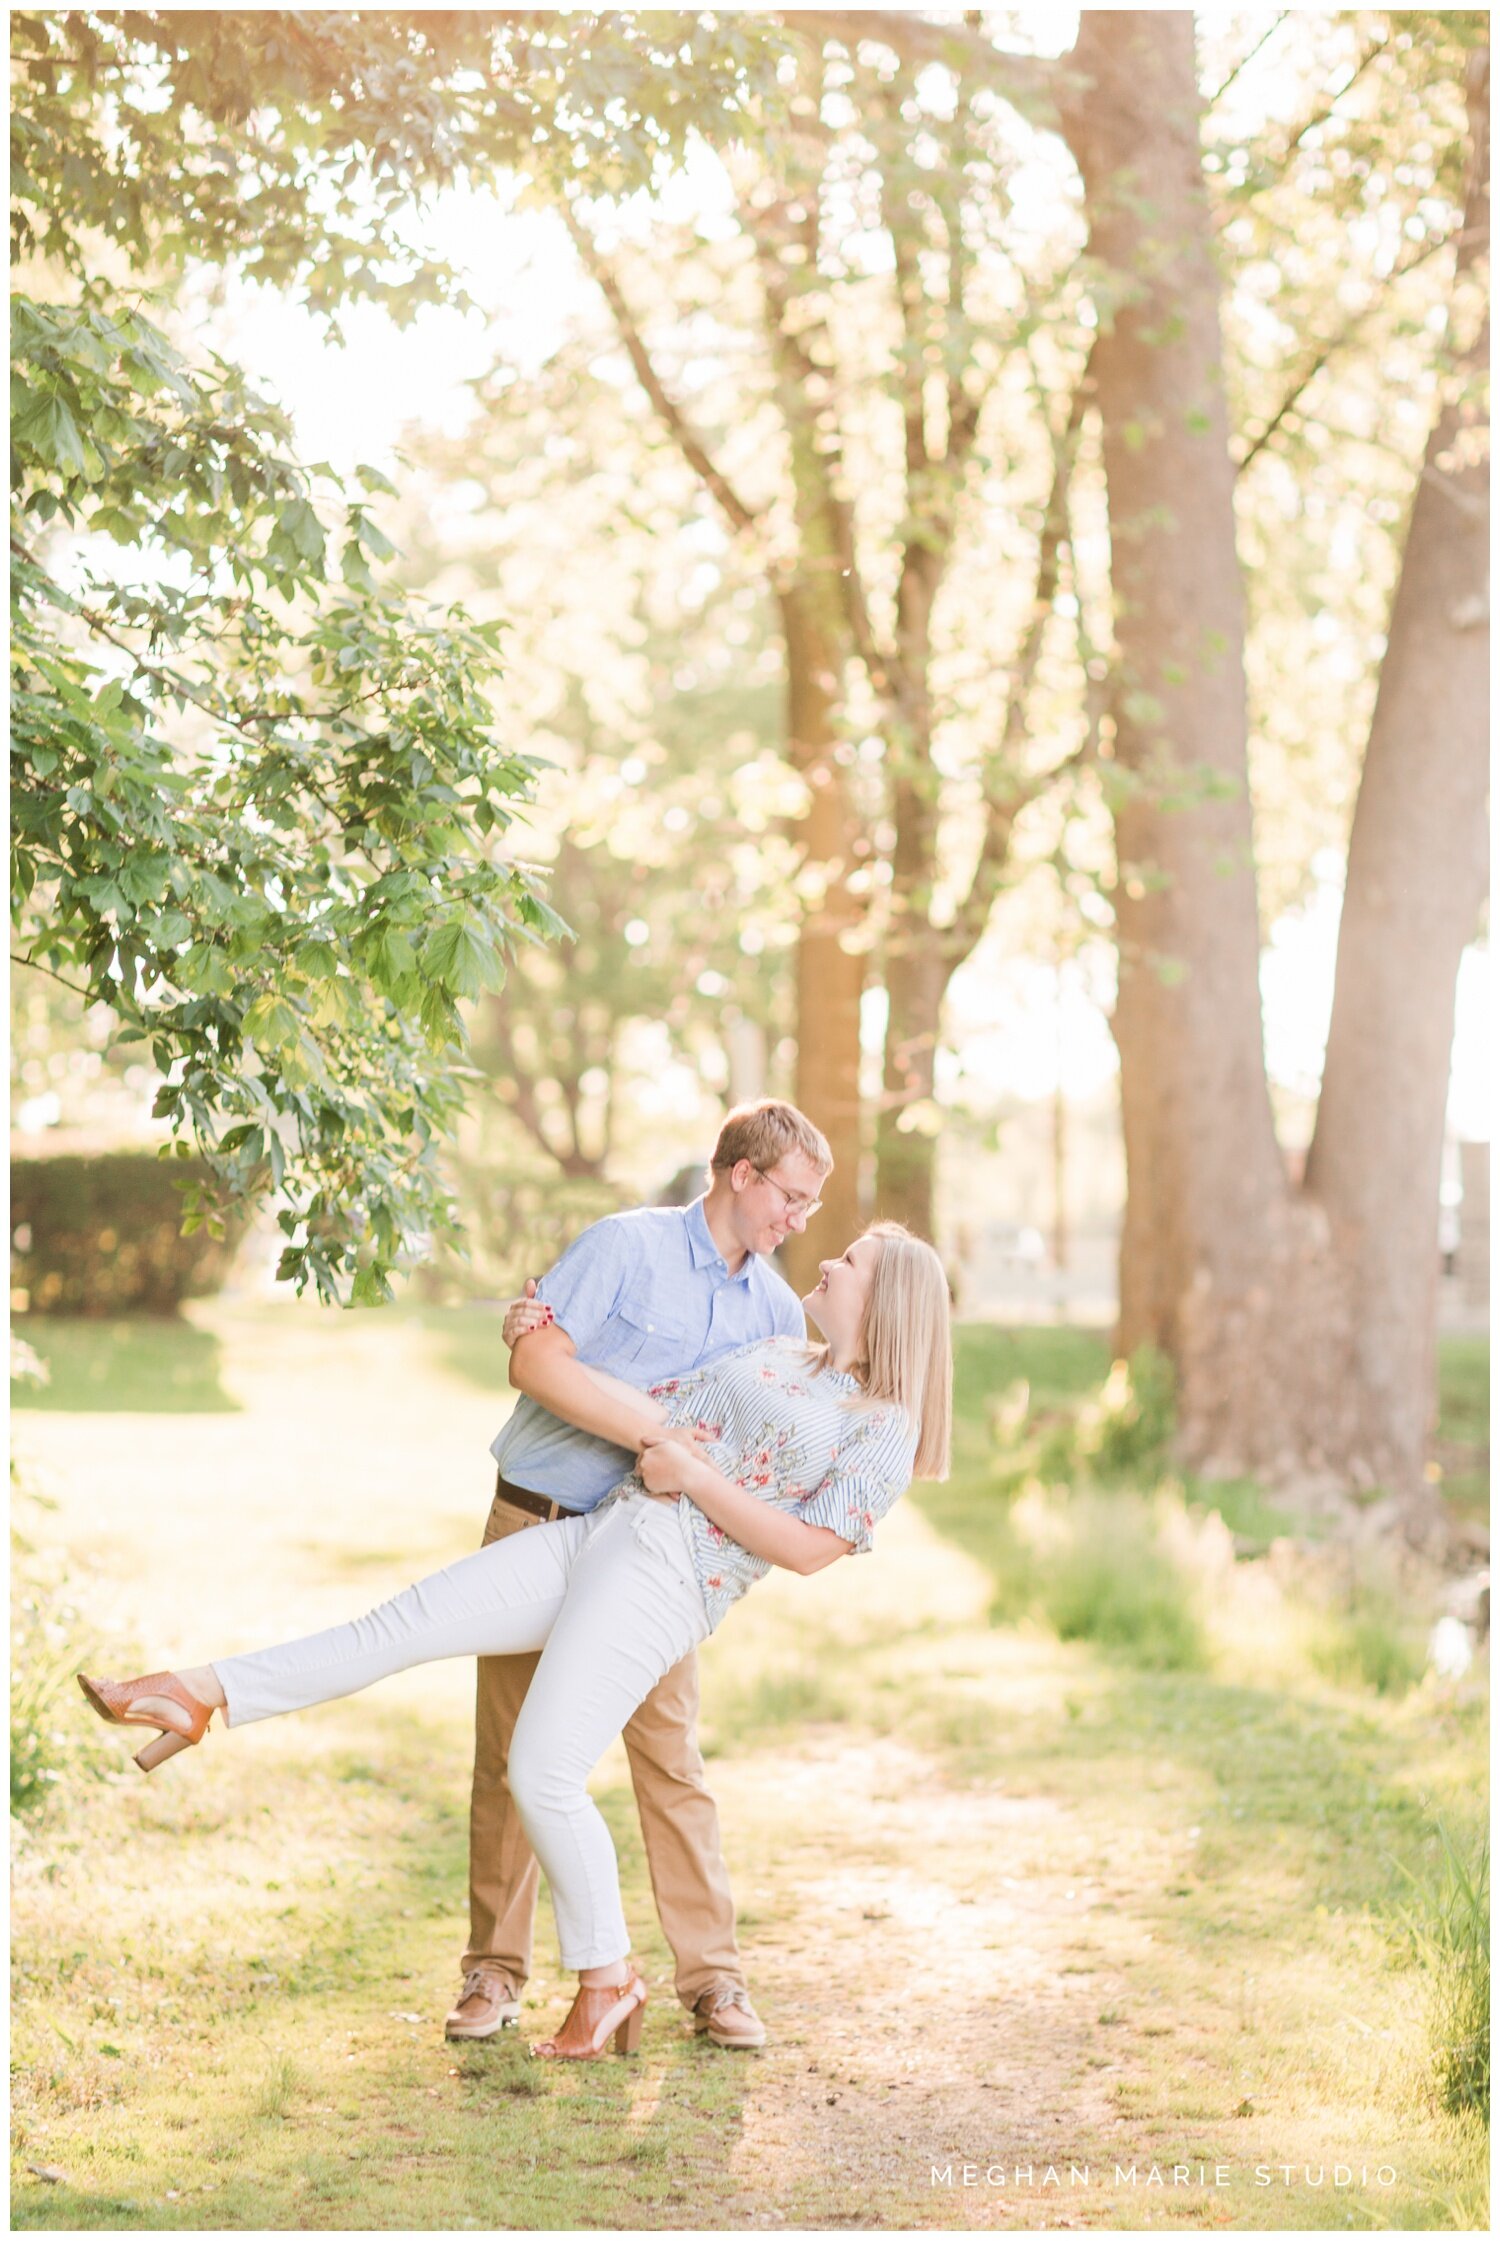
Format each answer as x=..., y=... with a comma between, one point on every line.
x=1007, y=1902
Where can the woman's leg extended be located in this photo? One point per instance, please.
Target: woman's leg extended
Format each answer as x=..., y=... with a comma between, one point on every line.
x=632, y=1611
x=500, y=1600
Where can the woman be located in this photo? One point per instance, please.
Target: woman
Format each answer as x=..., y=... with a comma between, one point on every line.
x=779, y=1453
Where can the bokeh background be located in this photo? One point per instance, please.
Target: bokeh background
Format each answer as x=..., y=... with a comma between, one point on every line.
x=928, y=484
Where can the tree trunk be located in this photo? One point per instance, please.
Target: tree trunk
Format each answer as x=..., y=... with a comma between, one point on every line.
x=1262, y=1295
x=1205, y=1179
x=917, y=971
x=916, y=979
x=1416, y=881
x=830, y=971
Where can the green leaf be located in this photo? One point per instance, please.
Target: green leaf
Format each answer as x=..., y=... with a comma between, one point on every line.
x=370, y=1288
x=533, y=911
x=49, y=429
x=272, y=1024
x=461, y=959
x=299, y=525
x=374, y=540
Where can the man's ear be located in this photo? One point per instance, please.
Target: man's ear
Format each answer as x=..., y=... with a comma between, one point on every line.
x=740, y=1175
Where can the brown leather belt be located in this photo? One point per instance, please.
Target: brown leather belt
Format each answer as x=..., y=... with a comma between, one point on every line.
x=535, y=1505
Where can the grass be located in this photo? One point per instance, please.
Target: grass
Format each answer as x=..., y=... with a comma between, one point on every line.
x=958, y=1848
x=144, y=1365
x=1450, y=1930
x=1061, y=1489
x=49, y=1643
x=1463, y=1431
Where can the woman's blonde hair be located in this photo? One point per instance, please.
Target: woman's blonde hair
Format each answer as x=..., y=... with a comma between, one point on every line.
x=905, y=1348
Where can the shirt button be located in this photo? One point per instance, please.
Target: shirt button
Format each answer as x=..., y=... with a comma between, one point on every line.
x=651, y=1326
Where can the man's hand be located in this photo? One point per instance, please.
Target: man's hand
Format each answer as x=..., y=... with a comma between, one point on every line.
x=524, y=1315
x=666, y=1463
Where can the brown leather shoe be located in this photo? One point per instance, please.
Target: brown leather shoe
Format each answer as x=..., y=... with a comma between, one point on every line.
x=120, y=1701
x=725, y=2013
x=486, y=2004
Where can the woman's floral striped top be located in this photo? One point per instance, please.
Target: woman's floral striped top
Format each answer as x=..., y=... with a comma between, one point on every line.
x=801, y=1438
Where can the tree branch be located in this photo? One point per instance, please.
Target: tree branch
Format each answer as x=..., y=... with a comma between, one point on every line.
x=86, y=993
x=963, y=410
x=523, y=1102
x=180, y=687
x=1211, y=100
x=740, y=515
x=816, y=448
x=1031, y=83
x=1321, y=116
x=1004, y=803
x=1336, y=343
x=928, y=510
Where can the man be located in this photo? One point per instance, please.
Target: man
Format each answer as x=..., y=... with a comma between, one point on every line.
x=646, y=1295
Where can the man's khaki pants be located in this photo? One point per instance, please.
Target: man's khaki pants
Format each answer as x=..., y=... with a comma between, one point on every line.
x=679, y=1820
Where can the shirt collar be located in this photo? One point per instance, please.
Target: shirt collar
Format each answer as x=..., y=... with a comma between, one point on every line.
x=704, y=1251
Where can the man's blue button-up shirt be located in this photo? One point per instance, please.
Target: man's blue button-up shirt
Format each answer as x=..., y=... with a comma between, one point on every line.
x=644, y=1295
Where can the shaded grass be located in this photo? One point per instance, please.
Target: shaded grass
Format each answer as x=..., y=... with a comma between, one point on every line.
x=1118, y=1588
x=142, y=1365
x=51, y=1750
x=262, y=2048
x=466, y=1342
x=1463, y=1432
x=765, y=1705
x=1373, y=1642
x=1464, y=1388
x=1449, y=1924
x=1059, y=1488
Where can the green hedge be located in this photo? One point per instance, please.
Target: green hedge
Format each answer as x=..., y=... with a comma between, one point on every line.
x=103, y=1236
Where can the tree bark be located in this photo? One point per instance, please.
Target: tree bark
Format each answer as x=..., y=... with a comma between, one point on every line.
x=830, y=973
x=1213, y=1242
x=1201, y=1155
x=1300, y=1322
x=1415, y=884
x=916, y=979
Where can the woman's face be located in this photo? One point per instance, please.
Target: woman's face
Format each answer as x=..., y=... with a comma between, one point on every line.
x=837, y=1302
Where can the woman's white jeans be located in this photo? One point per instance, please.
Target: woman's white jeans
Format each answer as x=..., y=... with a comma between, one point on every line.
x=611, y=1602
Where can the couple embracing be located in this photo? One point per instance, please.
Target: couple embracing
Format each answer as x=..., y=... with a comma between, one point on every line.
x=663, y=1334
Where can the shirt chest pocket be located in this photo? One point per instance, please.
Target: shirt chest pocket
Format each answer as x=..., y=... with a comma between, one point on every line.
x=654, y=1340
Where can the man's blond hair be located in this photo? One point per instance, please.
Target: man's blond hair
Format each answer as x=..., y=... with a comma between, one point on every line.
x=764, y=1132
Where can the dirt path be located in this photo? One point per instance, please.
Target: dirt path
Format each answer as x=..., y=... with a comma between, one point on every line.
x=926, y=2005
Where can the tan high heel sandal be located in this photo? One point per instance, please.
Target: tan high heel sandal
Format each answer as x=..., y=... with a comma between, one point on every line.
x=116, y=1701
x=598, y=2010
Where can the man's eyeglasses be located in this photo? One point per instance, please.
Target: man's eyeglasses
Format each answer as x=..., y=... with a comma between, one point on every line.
x=803, y=1208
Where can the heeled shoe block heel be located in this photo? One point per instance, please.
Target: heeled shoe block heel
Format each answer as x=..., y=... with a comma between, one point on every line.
x=628, y=2037
x=167, y=1745
x=116, y=1701
x=600, y=2013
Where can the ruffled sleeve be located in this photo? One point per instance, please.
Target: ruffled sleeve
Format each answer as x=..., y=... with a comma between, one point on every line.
x=871, y=1470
